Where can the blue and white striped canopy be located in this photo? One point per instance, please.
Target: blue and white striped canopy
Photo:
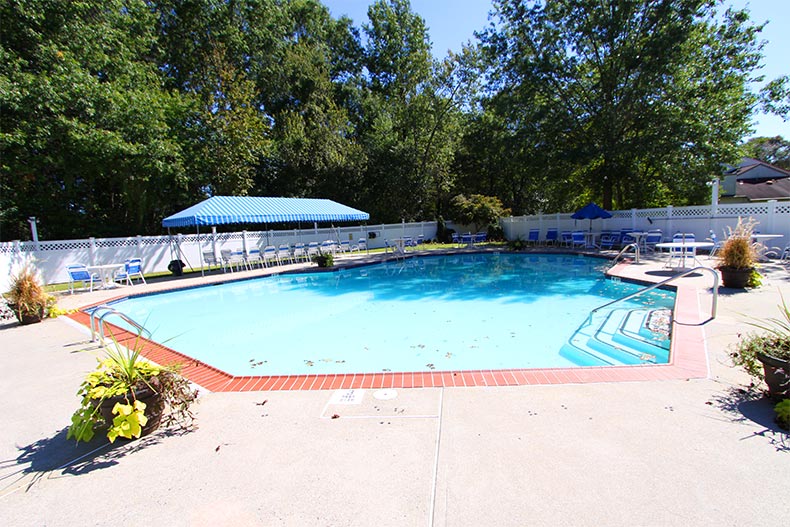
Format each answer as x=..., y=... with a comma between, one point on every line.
x=219, y=210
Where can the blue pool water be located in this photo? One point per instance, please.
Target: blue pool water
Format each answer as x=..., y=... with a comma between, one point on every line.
x=458, y=312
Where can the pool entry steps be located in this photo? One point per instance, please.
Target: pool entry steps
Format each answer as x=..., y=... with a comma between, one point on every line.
x=621, y=337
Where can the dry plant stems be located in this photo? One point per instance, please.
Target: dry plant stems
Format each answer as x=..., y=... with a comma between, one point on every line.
x=27, y=296
x=738, y=250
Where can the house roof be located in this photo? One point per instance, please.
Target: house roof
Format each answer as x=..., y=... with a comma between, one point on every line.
x=763, y=190
x=756, y=170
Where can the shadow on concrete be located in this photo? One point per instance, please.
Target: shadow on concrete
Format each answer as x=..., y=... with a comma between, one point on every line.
x=56, y=456
x=743, y=405
x=668, y=273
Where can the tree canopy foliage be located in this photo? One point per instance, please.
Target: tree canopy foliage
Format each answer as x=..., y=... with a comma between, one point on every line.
x=117, y=113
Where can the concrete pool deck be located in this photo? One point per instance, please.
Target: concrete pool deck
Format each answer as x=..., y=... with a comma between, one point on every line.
x=670, y=452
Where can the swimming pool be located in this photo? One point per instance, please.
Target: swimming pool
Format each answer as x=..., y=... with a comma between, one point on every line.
x=433, y=313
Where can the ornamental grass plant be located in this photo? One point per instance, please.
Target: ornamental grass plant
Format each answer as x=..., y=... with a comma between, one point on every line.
x=739, y=251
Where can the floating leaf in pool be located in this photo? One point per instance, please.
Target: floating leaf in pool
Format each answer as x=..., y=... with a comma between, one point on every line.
x=421, y=346
x=309, y=363
x=448, y=355
x=430, y=366
x=386, y=369
x=327, y=360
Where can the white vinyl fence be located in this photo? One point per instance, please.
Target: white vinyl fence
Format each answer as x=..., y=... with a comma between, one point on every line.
x=52, y=257
x=773, y=217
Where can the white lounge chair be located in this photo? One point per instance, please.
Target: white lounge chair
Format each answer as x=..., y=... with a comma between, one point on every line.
x=210, y=259
x=284, y=254
x=300, y=253
x=269, y=254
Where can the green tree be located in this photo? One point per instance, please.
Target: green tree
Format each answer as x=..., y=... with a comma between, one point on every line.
x=231, y=132
x=772, y=150
x=410, y=118
x=478, y=211
x=642, y=99
x=87, y=126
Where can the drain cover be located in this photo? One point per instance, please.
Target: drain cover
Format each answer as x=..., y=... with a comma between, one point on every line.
x=347, y=397
x=385, y=395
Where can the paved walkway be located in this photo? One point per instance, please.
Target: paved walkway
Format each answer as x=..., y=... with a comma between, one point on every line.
x=675, y=452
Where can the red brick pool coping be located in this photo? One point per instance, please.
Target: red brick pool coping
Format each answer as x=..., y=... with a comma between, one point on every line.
x=688, y=360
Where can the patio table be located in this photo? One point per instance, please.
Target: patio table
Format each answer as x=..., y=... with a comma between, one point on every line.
x=683, y=246
x=590, y=240
x=106, y=272
x=760, y=239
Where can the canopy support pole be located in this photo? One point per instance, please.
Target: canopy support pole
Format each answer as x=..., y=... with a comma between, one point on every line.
x=200, y=250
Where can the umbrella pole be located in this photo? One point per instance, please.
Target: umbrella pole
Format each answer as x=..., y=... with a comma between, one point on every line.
x=200, y=250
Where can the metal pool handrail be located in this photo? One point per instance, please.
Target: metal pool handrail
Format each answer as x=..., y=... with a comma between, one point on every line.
x=624, y=249
x=108, y=310
x=668, y=280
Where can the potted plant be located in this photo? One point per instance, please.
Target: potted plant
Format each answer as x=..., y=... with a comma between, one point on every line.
x=27, y=298
x=738, y=257
x=767, y=356
x=129, y=397
x=782, y=410
x=324, y=259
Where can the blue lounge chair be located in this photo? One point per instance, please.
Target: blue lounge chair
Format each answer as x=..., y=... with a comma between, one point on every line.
x=79, y=273
x=133, y=268
x=652, y=238
x=551, y=236
x=533, y=237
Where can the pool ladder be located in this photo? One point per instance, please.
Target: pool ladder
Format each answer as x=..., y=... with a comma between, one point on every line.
x=664, y=282
x=714, y=304
x=634, y=246
x=98, y=315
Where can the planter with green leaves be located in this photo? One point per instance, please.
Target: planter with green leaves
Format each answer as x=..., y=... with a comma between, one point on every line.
x=324, y=259
x=27, y=298
x=782, y=410
x=127, y=396
x=766, y=356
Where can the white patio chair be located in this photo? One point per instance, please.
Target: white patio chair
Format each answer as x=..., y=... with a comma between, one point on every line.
x=284, y=254
x=269, y=254
x=253, y=258
x=300, y=253
x=210, y=259
x=231, y=258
